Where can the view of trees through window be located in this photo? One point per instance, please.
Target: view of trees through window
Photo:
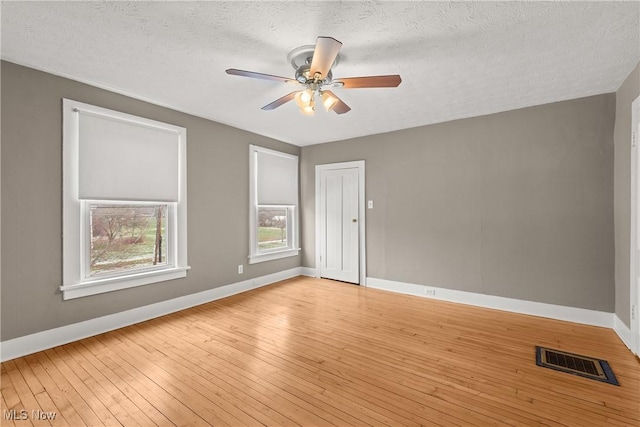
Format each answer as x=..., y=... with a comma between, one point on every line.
x=272, y=228
x=125, y=237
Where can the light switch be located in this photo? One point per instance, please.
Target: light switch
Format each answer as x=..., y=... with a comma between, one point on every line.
x=370, y=204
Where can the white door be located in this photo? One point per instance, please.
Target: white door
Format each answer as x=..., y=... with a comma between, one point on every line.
x=339, y=225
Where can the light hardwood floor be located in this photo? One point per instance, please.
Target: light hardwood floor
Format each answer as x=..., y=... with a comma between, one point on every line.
x=315, y=352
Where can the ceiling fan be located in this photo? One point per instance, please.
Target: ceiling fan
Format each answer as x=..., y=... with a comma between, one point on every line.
x=313, y=76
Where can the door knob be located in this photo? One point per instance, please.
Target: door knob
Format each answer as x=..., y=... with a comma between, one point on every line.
x=354, y=220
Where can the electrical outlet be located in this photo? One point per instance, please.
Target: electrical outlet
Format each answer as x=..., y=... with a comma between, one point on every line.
x=430, y=292
x=240, y=269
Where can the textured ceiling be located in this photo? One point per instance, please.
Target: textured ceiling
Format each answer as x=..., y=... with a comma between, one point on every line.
x=456, y=60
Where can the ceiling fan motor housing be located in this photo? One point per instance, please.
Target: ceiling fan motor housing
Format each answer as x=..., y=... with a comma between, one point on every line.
x=301, y=58
x=303, y=76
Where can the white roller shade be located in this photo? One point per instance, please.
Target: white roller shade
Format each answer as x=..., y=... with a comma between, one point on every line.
x=121, y=160
x=277, y=178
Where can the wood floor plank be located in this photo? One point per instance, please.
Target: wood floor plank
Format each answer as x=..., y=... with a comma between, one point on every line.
x=446, y=352
x=311, y=352
x=392, y=374
x=28, y=400
x=59, y=359
x=127, y=386
x=182, y=389
x=9, y=395
x=310, y=417
x=234, y=357
x=248, y=386
x=58, y=380
x=6, y=420
x=232, y=350
x=365, y=382
x=326, y=338
x=98, y=385
x=340, y=419
x=172, y=409
x=63, y=406
x=237, y=395
x=225, y=359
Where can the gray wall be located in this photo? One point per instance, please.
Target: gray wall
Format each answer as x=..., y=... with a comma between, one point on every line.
x=218, y=203
x=517, y=204
x=629, y=91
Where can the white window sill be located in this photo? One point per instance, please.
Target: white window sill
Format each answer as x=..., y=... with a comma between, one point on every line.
x=270, y=256
x=99, y=286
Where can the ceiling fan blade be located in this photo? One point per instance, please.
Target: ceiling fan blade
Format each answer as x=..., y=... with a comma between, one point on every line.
x=325, y=53
x=340, y=107
x=369, y=81
x=278, y=102
x=254, y=75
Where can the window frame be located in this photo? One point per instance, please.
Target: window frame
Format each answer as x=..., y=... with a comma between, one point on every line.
x=293, y=221
x=76, y=234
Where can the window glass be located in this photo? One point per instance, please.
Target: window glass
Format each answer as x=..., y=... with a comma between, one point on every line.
x=127, y=237
x=272, y=228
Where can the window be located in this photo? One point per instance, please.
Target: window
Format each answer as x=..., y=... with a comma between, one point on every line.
x=274, y=205
x=124, y=201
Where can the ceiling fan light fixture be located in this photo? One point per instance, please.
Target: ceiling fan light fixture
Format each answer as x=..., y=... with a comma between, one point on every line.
x=304, y=98
x=308, y=110
x=310, y=106
x=329, y=101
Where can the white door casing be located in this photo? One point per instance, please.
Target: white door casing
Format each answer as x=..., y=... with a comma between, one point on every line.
x=340, y=222
x=635, y=227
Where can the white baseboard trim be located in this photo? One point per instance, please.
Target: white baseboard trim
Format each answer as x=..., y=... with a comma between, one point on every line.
x=558, y=312
x=623, y=331
x=308, y=271
x=39, y=341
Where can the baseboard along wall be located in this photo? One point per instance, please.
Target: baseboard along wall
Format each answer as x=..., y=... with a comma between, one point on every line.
x=551, y=311
x=623, y=331
x=39, y=341
x=308, y=271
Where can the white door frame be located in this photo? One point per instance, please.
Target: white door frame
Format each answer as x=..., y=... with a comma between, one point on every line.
x=362, y=247
x=634, y=299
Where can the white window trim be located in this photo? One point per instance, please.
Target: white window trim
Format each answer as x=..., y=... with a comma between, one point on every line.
x=634, y=265
x=74, y=224
x=293, y=250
